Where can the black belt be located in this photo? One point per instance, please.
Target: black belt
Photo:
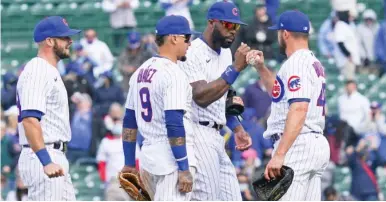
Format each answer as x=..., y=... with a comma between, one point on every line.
x=57, y=145
x=215, y=125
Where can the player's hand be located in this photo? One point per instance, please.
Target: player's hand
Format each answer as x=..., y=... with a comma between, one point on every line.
x=185, y=181
x=273, y=167
x=53, y=170
x=240, y=57
x=243, y=140
x=129, y=169
x=257, y=58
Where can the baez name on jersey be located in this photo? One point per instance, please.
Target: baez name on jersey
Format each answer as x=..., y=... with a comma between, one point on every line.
x=145, y=75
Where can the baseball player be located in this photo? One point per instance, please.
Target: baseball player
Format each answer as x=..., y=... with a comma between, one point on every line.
x=44, y=125
x=158, y=105
x=210, y=72
x=297, y=118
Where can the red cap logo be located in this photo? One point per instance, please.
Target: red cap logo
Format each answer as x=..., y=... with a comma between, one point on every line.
x=65, y=22
x=235, y=11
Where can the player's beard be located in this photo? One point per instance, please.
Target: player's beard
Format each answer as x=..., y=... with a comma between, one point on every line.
x=60, y=52
x=218, y=38
x=282, y=46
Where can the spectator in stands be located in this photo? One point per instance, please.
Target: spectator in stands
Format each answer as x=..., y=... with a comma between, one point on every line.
x=110, y=156
x=106, y=93
x=363, y=163
x=98, y=51
x=245, y=187
x=6, y=158
x=380, y=47
x=256, y=34
x=131, y=58
x=343, y=5
x=178, y=7
x=367, y=31
x=81, y=128
x=122, y=18
x=377, y=125
x=75, y=81
x=326, y=36
x=353, y=107
x=8, y=90
x=149, y=43
x=257, y=97
x=347, y=51
x=272, y=8
x=82, y=63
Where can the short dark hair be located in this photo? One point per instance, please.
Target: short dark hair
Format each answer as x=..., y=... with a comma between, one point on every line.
x=300, y=35
x=160, y=40
x=350, y=81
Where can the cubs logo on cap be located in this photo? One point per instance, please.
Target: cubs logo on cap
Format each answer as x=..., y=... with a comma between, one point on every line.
x=277, y=90
x=294, y=83
x=235, y=11
x=65, y=22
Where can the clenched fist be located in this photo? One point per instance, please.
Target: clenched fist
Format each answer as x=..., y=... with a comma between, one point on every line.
x=53, y=170
x=185, y=181
x=255, y=58
x=240, y=57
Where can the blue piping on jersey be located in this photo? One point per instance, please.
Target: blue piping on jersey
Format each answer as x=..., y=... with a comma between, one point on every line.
x=31, y=113
x=217, y=51
x=290, y=101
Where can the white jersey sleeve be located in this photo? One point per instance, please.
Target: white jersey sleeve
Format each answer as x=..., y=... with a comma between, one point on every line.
x=193, y=67
x=175, y=95
x=130, y=99
x=33, y=93
x=298, y=81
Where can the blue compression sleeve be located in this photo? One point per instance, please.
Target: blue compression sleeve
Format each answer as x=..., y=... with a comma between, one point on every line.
x=175, y=128
x=129, y=147
x=232, y=122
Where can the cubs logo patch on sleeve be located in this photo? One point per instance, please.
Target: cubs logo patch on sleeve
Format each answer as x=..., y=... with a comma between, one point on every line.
x=294, y=83
x=277, y=90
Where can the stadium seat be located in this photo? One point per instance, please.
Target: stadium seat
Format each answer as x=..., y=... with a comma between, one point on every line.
x=42, y=9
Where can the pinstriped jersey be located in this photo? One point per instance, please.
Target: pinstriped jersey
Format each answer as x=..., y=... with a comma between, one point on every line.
x=301, y=78
x=203, y=63
x=156, y=86
x=159, y=85
x=41, y=88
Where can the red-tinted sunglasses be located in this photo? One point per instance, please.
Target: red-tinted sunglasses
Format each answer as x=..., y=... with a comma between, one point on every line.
x=229, y=25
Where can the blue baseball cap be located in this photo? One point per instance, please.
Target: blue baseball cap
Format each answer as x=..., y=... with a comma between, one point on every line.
x=225, y=11
x=173, y=24
x=293, y=21
x=134, y=39
x=53, y=26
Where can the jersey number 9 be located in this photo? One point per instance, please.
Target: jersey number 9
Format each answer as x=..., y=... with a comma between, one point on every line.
x=147, y=112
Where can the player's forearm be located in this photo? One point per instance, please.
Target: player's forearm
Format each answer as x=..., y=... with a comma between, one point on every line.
x=205, y=93
x=267, y=77
x=34, y=133
x=129, y=137
x=294, y=124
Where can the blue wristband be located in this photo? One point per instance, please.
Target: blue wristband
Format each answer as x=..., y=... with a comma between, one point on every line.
x=43, y=156
x=230, y=75
x=129, y=152
x=232, y=122
x=183, y=164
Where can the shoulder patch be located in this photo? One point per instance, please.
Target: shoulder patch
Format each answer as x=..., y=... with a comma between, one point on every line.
x=277, y=90
x=294, y=83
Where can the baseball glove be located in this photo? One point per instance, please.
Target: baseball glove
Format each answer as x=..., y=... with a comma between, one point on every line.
x=273, y=190
x=133, y=186
x=234, y=104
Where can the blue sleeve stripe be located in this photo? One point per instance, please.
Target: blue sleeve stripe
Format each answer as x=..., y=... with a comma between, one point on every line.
x=129, y=152
x=31, y=113
x=129, y=120
x=175, y=123
x=175, y=128
x=232, y=122
x=290, y=101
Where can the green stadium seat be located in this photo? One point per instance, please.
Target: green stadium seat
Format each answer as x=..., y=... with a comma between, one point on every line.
x=90, y=8
x=65, y=9
x=42, y=9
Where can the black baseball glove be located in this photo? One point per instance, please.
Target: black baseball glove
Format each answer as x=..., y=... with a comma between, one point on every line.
x=274, y=189
x=234, y=104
